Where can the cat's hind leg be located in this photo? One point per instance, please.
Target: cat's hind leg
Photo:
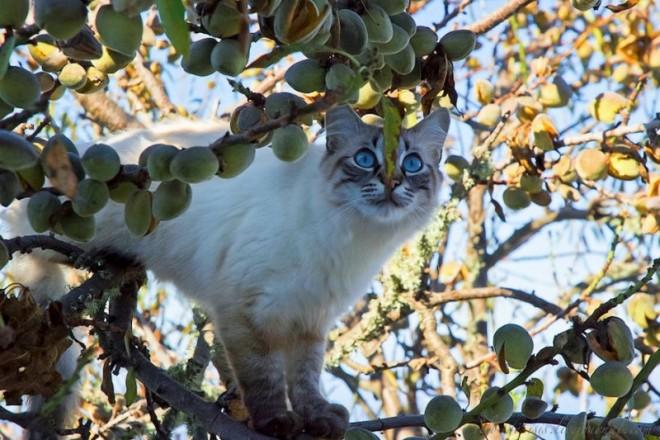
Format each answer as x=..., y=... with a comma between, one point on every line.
x=304, y=359
x=259, y=370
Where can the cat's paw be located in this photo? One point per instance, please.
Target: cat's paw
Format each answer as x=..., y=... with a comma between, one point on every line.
x=282, y=425
x=328, y=422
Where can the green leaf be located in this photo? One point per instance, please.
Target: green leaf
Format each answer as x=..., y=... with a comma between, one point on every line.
x=5, y=53
x=131, y=387
x=173, y=17
x=391, y=130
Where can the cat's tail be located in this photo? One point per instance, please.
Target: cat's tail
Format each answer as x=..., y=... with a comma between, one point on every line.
x=46, y=279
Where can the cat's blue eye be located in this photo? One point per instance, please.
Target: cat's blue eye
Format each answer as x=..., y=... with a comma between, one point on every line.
x=365, y=158
x=412, y=163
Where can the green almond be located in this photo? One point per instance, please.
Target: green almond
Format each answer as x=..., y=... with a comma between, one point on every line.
x=16, y=153
x=118, y=31
x=171, y=199
x=194, y=164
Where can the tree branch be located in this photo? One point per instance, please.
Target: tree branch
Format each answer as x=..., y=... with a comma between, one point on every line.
x=498, y=16
x=28, y=243
x=521, y=235
x=208, y=414
x=115, y=273
x=248, y=136
x=26, y=420
x=106, y=112
x=600, y=136
x=154, y=86
x=345, y=343
x=437, y=299
x=13, y=121
x=641, y=377
x=605, y=307
x=451, y=15
x=549, y=418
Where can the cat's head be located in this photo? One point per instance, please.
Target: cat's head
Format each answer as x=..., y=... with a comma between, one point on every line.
x=354, y=166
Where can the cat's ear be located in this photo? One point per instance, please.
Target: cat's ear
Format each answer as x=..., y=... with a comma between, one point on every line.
x=342, y=125
x=431, y=131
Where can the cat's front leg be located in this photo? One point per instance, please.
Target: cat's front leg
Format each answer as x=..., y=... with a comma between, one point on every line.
x=259, y=371
x=304, y=360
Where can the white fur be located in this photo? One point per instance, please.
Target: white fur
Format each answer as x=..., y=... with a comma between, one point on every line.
x=269, y=235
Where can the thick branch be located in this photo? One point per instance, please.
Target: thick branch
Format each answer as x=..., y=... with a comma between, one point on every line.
x=28, y=243
x=549, y=418
x=521, y=235
x=208, y=414
x=498, y=16
x=26, y=420
x=106, y=112
x=154, y=86
x=109, y=272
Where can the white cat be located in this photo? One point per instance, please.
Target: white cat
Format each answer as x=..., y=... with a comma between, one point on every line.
x=279, y=252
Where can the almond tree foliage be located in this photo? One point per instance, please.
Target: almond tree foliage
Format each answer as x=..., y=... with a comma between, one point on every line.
x=557, y=140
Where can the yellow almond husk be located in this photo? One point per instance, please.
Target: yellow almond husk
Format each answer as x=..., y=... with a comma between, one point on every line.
x=528, y=108
x=73, y=76
x=634, y=48
x=484, y=91
x=639, y=202
x=564, y=169
x=585, y=50
x=96, y=80
x=544, y=132
x=513, y=172
x=489, y=115
x=653, y=152
x=621, y=73
x=541, y=67
x=450, y=272
x=607, y=105
x=651, y=224
x=555, y=94
x=653, y=188
x=44, y=51
x=569, y=193
x=623, y=165
x=591, y=164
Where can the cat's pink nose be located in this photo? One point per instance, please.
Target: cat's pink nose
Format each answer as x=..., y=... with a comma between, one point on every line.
x=394, y=183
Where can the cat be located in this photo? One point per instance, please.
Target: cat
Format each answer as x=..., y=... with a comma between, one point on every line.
x=278, y=253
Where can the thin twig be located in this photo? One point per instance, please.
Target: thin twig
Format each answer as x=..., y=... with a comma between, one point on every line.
x=451, y=15
x=498, y=16
x=522, y=235
x=248, y=136
x=621, y=130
